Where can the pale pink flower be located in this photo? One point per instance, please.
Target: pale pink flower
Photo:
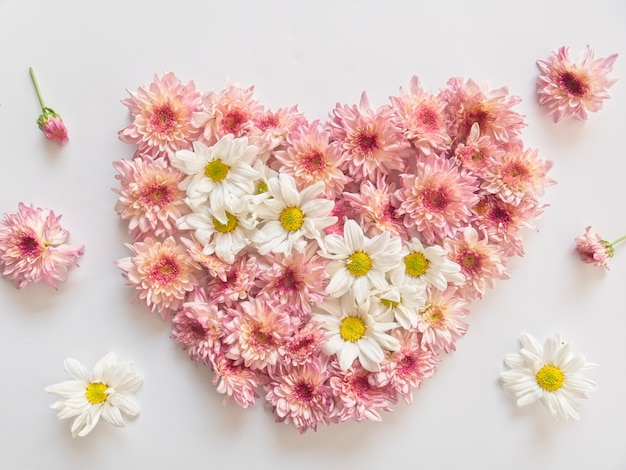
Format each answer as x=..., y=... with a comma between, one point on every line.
x=234, y=380
x=304, y=346
x=406, y=369
x=149, y=196
x=297, y=280
x=231, y=111
x=161, y=272
x=356, y=395
x=442, y=321
x=239, y=282
x=33, y=247
x=162, y=116
x=374, y=209
x=593, y=249
x=421, y=116
x=502, y=221
x=471, y=102
x=437, y=199
x=373, y=142
x=49, y=122
x=478, y=152
x=270, y=130
x=574, y=88
x=481, y=262
x=310, y=156
x=299, y=394
x=197, y=328
x=259, y=328
x=517, y=174
x=215, y=266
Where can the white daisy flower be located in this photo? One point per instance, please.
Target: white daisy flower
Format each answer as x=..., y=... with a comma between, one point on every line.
x=291, y=217
x=354, y=331
x=429, y=265
x=260, y=185
x=359, y=263
x=225, y=240
x=217, y=173
x=106, y=392
x=401, y=301
x=550, y=374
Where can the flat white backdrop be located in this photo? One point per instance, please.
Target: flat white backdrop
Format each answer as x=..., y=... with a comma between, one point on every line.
x=313, y=54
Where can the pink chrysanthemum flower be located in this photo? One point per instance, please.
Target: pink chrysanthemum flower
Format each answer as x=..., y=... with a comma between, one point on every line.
x=237, y=382
x=304, y=346
x=270, y=130
x=297, y=280
x=161, y=272
x=33, y=248
x=259, y=327
x=517, y=174
x=570, y=88
x=162, y=117
x=374, y=209
x=49, y=122
x=421, y=116
x=593, y=249
x=407, y=368
x=149, y=197
x=231, y=111
x=198, y=329
x=215, y=266
x=481, y=262
x=373, y=142
x=478, y=152
x=471, y=102
x=356, y=395
x=299, y=394
x=437, y=199
x=310, y=156
x=239, y=283
x=442, y=321
x=502, y=221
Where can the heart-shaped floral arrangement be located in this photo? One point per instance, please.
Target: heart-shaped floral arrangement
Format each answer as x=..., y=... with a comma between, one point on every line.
x=324, y=265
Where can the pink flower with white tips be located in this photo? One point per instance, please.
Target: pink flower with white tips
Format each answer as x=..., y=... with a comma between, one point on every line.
x=33, y=247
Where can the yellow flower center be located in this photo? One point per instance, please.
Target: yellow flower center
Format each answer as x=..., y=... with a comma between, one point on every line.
x=352, y=329
x=389, y=303
x=550, y=378
x=96, y=393
x=291, y=218
x=261, y=187
x=359, y=263
x=216, y=170
x=229, y=226
x=416, y=264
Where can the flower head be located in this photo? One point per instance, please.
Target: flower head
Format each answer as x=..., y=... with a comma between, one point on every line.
x=574, y=88
x=33, y=248
x=107, y=393
x=162, y=117
x=594, y=250
x=49, y=122
x=551, y=374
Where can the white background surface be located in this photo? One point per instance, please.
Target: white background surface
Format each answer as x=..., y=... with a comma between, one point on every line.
x=313, y=54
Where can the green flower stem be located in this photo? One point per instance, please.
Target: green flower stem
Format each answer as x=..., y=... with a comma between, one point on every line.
x=620, y=239
x=32, y=75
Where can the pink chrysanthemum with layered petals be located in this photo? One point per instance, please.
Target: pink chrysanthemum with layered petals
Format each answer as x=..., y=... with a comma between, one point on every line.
x=270, y=130
x=33, y=248
x=437, y=199
x=197, y=328
x=161, y=272
x=237, y=382
x=574, y=88
x=162, y=117
x=149, y=196
x=442, y=321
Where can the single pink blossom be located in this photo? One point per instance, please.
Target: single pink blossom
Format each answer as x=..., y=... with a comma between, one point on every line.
x=574, y=88
x=49, y=122
x=593, y=249
x=442, y=321
x=33, y=248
